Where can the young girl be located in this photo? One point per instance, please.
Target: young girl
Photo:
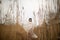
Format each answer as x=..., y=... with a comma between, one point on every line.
x=30, y=31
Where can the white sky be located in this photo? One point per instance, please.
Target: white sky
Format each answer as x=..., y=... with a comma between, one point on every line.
x=30, y=6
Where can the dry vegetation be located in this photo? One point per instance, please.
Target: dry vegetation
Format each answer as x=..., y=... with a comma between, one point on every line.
x=16, y=32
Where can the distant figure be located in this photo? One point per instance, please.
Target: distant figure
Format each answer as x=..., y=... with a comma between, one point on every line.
x=30, y=32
